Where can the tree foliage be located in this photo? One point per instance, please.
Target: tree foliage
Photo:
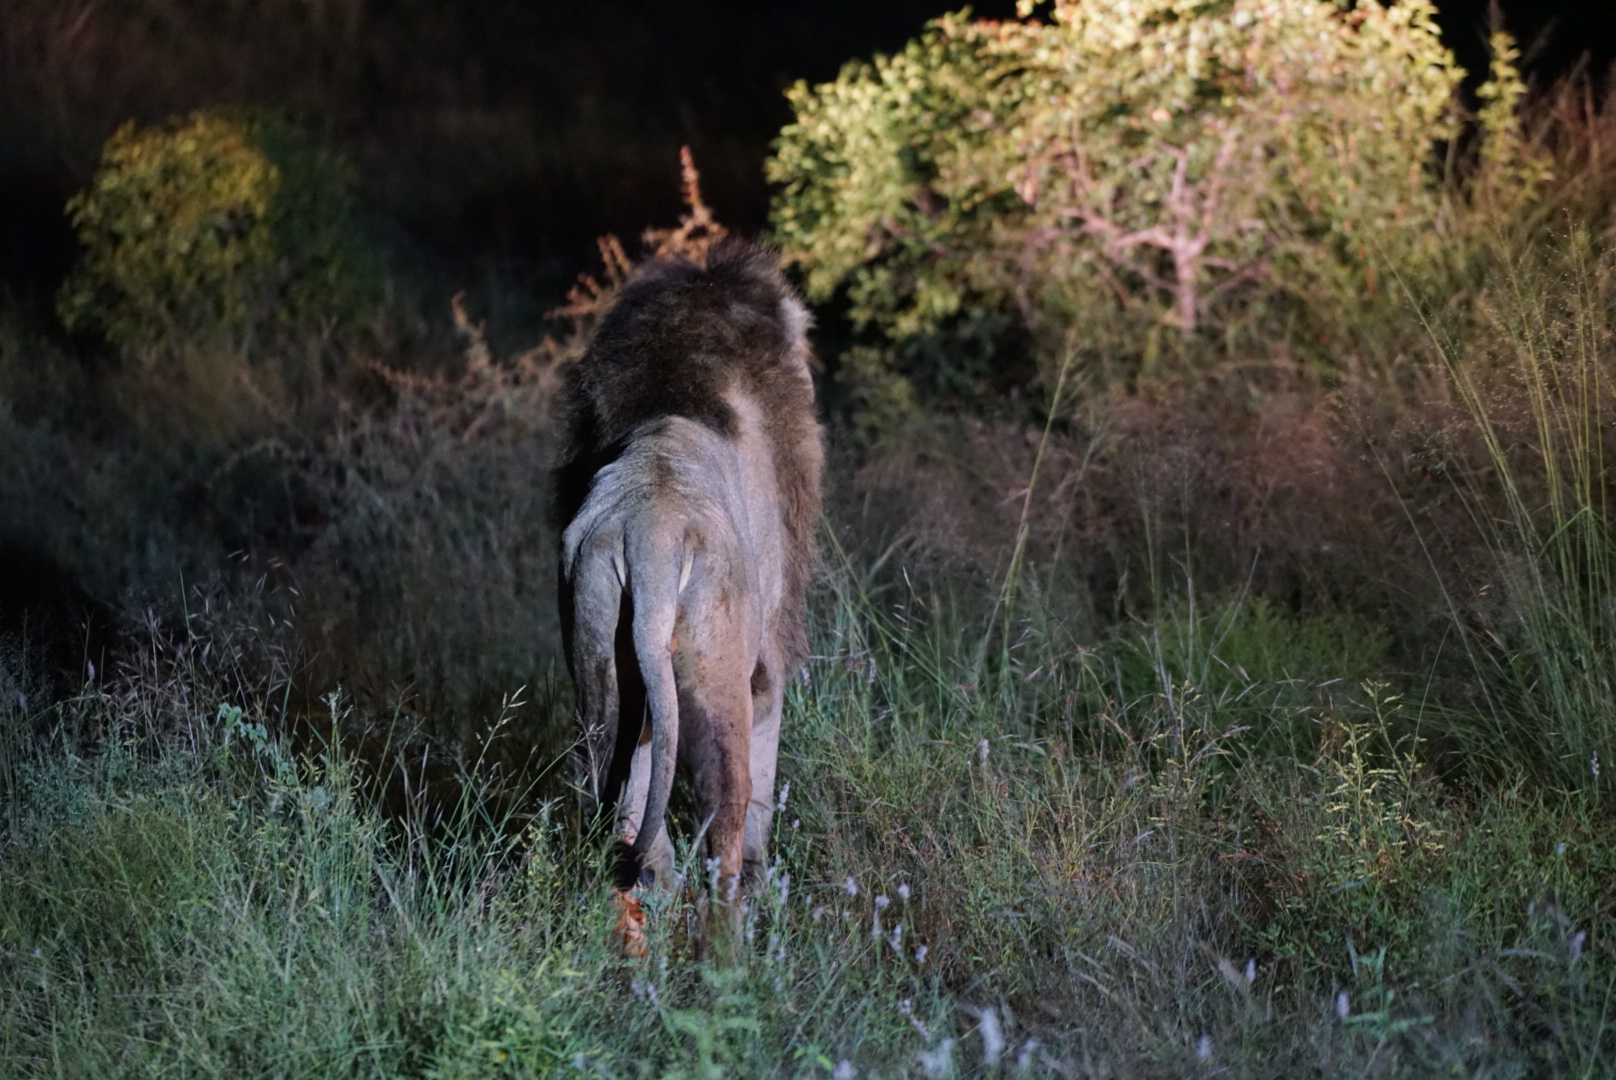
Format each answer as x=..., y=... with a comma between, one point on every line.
x=1125, y=164
x=214, y=224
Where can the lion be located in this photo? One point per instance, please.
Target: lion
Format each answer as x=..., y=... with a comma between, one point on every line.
x=690, y=489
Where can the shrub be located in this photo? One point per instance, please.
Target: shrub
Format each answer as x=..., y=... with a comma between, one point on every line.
x=215, y=225
x=1127, y=167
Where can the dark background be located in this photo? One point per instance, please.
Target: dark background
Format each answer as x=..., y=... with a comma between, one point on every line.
x=496, y=138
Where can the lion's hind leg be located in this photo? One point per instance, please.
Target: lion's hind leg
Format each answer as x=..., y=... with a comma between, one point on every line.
x=610, y=693
x=715, y=710
x=656, y=868
x=612, y=731
x=597, y=600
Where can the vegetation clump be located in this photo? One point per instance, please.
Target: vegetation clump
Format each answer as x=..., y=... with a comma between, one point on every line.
x=215, y=227
x=1119, y=171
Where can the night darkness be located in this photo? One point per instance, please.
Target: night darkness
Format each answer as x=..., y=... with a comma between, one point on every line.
x=500, y=132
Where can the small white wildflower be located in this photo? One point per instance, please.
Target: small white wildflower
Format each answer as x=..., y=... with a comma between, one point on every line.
x=796, y=822
x=937, y=1063
x=712, y=873
x=903, y=892
x=906, y=1008
x=897, y=937
x=882, y=902
x=1203, y=1048
x=982, y=753
x=580, y=1061
x=920, y=954
x=818, y=913
x=1559, y=849
x=1251, y=969
x=1593, y=763
x=645, y=990
x=1343, y=1008
x=987, y=1026
x=1024, y=1058
x=784, y=885
x=844, y=1070
x=785, y=789
x=1577, y=943
x=851, y=886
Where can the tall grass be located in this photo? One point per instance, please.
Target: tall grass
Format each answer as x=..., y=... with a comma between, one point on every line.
x=1541, y=407
x=1072, y=863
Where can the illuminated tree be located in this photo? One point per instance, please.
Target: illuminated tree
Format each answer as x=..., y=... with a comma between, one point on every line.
x=1137, y=164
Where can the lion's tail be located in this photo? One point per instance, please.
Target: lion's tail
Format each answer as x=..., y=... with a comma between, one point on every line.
x=654, y=585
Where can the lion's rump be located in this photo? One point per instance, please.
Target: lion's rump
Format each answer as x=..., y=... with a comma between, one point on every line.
x=689, y=341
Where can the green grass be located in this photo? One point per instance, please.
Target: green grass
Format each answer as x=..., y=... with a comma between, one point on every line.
x=1053, y=865
x=1541, y=408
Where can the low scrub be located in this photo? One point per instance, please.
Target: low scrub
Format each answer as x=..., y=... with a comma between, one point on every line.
x=1018, y=862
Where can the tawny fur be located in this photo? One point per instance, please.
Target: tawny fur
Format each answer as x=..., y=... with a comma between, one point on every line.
x=690, y=489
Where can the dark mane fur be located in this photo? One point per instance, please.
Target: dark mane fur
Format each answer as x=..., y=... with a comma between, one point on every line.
x=677, y=335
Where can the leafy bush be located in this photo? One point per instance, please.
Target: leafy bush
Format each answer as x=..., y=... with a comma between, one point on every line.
x=218, y=224
x=1129, y=166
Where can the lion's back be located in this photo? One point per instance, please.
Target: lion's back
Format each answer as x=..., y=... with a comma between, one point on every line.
x=723, y=346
